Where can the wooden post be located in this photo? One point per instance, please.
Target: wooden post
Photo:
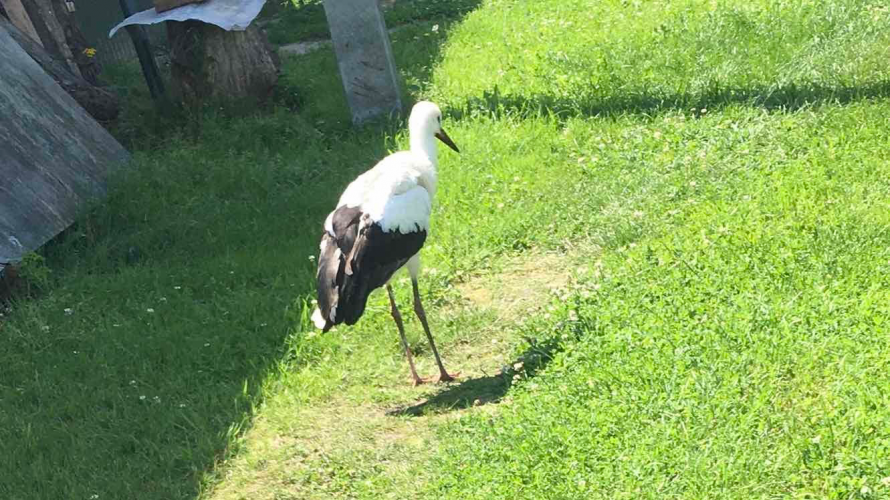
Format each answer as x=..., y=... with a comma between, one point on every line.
x=19, y=18
x=99, y=103
x=365, y=58
x=51, y=31
x=143, y=52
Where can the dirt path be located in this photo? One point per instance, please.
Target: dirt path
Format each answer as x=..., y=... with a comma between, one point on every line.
x=348, y=447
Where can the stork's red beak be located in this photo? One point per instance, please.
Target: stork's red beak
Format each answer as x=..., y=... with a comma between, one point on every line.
x=442, y=136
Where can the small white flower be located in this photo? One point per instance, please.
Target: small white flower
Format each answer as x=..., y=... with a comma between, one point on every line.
x=207, y=344
x=182, y=405
x=149, y=310
x=177, y=287
x=156, y=399
x=94, y=496
x=264, y=324
x=142, y=397
x=132, y=382
x=311, y=258
x=69, y=311
x=163, y=299
x=435, y=28
x=45, y=328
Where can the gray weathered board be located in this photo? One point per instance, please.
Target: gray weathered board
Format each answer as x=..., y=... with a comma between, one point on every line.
x=364, y=56
x=53, y=155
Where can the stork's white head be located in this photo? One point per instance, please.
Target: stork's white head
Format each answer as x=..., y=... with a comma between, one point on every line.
x=425, y=123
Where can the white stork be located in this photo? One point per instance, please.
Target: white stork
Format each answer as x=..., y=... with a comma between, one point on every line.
x=378, y=227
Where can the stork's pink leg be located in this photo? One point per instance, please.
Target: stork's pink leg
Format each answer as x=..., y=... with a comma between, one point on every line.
x=444, y=376
x=417, y=380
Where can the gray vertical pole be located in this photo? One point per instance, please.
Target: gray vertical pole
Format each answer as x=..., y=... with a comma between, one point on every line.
x=365, y=58
x=143, y=51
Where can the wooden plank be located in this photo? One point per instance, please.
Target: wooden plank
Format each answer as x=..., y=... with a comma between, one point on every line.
x=20, y=19
x=364, y=55
x=53, y=156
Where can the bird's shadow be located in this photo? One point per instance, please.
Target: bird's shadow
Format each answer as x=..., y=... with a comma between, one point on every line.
x=489, y=388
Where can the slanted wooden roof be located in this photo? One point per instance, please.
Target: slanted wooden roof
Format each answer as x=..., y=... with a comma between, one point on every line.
x=53, y=156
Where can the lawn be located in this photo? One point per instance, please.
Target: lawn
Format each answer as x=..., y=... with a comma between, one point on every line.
x=660, y=261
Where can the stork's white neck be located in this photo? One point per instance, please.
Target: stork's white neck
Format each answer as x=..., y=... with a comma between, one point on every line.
x=424, y=143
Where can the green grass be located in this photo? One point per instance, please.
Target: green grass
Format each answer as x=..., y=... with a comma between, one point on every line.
x=706, y=183
x=291, y=21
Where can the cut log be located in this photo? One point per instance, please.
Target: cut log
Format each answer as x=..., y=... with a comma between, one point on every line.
x=165, y=5
x=98, y=102
x=210, y=63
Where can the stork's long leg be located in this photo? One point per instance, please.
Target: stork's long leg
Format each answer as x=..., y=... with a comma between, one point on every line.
x=444, y=376
x=398, y=319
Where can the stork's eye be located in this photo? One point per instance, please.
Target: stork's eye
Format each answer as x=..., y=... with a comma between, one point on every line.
x=440, y=119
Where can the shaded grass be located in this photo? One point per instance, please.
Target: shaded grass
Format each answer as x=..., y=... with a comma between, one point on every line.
x=291, y=22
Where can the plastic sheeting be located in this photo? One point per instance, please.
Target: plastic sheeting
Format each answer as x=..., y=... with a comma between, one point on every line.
x=230, y=15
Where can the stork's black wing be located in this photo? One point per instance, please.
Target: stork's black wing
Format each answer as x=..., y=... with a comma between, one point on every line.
x=355, y=260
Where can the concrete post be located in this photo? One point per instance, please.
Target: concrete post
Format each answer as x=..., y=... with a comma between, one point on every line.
x=365, y=58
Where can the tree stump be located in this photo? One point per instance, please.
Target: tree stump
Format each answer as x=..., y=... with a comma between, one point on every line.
x=210, y=63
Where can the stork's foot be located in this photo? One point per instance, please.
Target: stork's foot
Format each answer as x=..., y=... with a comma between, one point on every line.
x=440, y=378
x=447, y=377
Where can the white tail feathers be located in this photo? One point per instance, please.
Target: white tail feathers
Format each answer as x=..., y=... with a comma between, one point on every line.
x=318, y=319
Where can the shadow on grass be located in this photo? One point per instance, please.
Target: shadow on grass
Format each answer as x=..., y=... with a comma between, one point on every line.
x=790, y=97
x=488, y=389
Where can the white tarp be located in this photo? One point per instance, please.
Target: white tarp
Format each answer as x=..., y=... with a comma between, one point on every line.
x=227, y=14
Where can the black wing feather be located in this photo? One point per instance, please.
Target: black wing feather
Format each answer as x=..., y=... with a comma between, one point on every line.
x=366, y=260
